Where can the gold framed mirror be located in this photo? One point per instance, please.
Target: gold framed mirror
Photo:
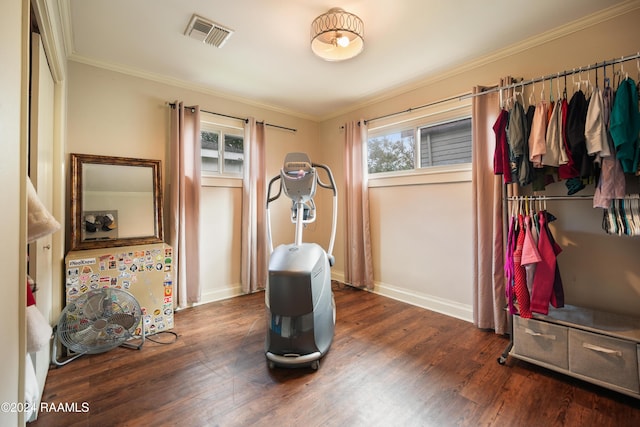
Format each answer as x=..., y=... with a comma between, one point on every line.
x=115, y=201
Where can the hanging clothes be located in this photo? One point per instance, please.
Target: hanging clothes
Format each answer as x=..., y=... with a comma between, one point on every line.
x=501, y=156
x=530, y=254
x=568, y=170
x=611, y=183
x=546, y=277
x=517, y=137
x=520, y=274
x=625, y=125
x=555, y=154
x=576, y=118
x=537, y=137
x=595, y=131
x=512, y=236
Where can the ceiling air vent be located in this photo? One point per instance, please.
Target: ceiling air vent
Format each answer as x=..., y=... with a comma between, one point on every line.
x=207, y=31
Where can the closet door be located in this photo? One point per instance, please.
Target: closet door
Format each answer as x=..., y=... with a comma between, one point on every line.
x=41, y=174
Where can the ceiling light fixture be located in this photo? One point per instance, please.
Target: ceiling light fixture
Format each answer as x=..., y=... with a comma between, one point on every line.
x=337, y=35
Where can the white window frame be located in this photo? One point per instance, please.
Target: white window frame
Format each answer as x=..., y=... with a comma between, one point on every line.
x=222, y=176
x=459, y=172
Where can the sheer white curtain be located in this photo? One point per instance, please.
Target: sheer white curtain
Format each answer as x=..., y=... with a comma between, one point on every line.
x=254, y=237
x=358, y=259
x=184, y=202
x=489, y=276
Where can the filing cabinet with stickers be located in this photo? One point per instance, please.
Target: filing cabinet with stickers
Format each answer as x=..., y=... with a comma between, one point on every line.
x=145, y=271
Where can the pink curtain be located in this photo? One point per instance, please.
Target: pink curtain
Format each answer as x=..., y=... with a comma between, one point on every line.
x=184, y=202
x=358, y=259
x=254, y=237
x=488, y=228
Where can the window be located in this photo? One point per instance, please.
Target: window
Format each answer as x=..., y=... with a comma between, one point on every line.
x=445, y=144
x=222, y=149
x=391, y=152
x=427, y=146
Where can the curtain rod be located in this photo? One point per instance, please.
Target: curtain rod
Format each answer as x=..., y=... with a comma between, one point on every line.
x=555, y=75
x=173, y=105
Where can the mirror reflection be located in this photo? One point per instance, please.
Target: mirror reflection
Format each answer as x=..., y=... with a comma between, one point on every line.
x=116, y=201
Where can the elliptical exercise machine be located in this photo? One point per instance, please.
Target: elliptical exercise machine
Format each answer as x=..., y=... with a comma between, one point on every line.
x=301, y=312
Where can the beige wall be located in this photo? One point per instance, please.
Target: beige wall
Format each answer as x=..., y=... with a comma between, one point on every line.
x=421, y=232
x=114, y=114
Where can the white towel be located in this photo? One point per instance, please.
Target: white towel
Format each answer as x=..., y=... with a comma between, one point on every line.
x=41, y=222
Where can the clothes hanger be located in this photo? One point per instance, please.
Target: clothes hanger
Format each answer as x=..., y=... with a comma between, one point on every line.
x=636, y=213
x=514, y=207
x=520, y=206
x=587, y=83
x=558, y=85
x=631, y=214
x=622, y=72
x=615, y=73
x=532, y=95
x=514, y=97
x=584, y=82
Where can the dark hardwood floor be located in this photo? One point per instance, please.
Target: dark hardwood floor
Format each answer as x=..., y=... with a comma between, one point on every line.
x=391, y=364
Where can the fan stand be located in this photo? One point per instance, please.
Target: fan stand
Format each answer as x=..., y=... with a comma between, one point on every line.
x=126, y=344
x=138, y=346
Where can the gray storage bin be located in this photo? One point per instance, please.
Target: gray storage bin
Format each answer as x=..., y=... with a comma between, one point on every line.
x=604, y=358
x=539, y=340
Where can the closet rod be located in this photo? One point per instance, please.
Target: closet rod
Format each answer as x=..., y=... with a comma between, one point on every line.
x=555, y=76
x=536, y=198
x=173, y=105
x=499, y=88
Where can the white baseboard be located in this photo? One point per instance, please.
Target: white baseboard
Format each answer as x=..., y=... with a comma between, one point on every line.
x=219, y=294
x=429, y=302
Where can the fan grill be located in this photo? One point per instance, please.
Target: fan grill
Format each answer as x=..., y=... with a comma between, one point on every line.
x=99, y=321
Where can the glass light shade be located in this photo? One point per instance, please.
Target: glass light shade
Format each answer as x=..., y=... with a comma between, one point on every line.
x=337, y=35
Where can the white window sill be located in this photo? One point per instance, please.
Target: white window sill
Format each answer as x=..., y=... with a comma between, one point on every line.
x=221, y=181
x=435, y=175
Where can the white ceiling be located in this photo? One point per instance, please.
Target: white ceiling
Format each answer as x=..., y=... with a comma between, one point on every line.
x=268, y=59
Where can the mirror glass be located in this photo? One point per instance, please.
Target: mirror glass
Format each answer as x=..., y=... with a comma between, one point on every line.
x=115, y=201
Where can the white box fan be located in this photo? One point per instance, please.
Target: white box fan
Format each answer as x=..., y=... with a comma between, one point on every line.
x=96, y=322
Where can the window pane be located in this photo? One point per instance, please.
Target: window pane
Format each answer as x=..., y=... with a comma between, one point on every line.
x=391, y=152
x=233, y=153
x=446, y=144
x=209, y=151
